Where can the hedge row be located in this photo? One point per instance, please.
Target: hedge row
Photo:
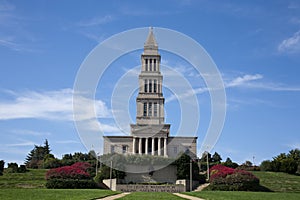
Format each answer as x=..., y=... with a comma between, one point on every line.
x=70, y=184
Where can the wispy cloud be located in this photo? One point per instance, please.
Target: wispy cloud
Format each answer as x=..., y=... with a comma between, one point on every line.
x=26, y=143
x=243, y=80
x=294, y=145
x=291, y=44
x=50, y=105
x=249, y=81
x=30, y=132
x=67, y=142
x=96, y=21
x=14, y=29
x=6, y=6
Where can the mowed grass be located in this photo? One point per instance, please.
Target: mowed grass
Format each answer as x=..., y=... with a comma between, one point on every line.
x=50, y=194
x=150, y=196
x=234, y=195
x=34, y=178
x=279, y=182
x=284, y=187
x=31, y=186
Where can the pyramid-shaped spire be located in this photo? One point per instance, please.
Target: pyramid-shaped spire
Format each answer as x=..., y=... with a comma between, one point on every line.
x=150, y=46
x=150, y=39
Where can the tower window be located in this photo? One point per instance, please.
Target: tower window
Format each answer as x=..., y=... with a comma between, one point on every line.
x=146, y=85
x=146, y=64
x=150, y=109
x=150, y=85
x=145, y=109
x=154, y=65
x=155, y=109
x=158, y=86
x=154, y=86
x=150, y=65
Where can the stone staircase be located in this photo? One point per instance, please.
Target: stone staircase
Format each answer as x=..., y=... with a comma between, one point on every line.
x=201, y=187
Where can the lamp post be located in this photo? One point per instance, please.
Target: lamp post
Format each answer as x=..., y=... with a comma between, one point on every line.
x=207, y=165
x=110, y=175
x=191, y=175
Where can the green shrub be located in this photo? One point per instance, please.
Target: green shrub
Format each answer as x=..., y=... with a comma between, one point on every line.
x=12, y=167
x=70, y=184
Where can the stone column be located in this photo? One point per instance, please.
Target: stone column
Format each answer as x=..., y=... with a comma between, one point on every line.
x=153, y=150
x=140, y=146
x=159, y=146
x=165, y=147
x=146, y=147
x=133, y=146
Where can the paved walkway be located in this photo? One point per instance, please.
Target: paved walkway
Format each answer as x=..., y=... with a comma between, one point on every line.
x=187, y=196
x=115, y=196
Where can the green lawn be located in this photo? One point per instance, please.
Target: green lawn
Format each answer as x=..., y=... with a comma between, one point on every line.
x=224, y=195
x=35, y=178
x=279, y=182
x=50, y=194
x=285, y=187
x=150, y=196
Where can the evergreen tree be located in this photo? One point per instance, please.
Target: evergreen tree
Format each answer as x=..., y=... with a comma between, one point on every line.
x=47, y=147
x=216, y=158
x=1, y=167
x=35, y=158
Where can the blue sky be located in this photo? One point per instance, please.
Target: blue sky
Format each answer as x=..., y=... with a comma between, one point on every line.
x=255, y=44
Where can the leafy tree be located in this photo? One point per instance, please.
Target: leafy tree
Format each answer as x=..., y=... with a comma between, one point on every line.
x=289, y=163
x=183, y=168
x=248, y=163
x=229, y=163
x=266, y=165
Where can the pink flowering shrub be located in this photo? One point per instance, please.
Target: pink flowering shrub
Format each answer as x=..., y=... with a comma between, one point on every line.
x=74, y=176
x=225, y=178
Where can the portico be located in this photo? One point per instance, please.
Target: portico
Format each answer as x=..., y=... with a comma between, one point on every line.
x=150, y=146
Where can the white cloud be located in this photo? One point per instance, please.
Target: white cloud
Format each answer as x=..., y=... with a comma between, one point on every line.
x=50, y=105
x=291, y=44
x=241, y=81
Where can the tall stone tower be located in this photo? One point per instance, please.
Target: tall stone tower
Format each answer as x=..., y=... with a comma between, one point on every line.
x=150, y=134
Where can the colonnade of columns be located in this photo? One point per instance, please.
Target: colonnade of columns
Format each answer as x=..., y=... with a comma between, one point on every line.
x=150, y=146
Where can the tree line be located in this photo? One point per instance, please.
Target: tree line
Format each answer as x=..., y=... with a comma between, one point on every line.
x=288, y=163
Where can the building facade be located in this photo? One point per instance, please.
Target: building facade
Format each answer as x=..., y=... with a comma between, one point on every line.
x=150, y=135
